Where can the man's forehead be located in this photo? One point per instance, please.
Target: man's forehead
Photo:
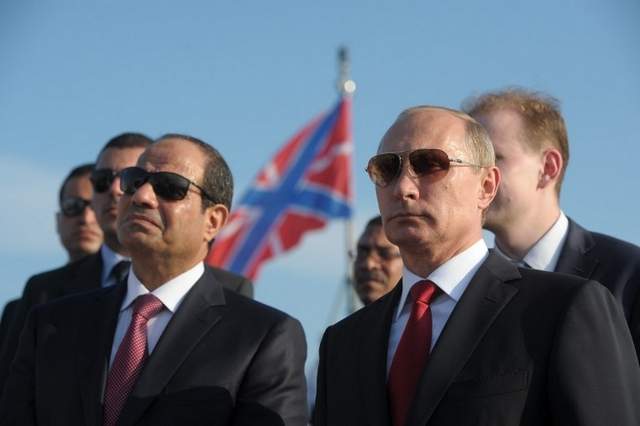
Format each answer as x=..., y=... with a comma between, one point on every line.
x=78, y=185
x=375, y=234
x=173, y=155
x=113, y=156
x=424, y=128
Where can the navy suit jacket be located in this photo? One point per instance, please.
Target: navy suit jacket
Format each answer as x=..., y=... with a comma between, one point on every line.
x=223, y=359
x=613, y=263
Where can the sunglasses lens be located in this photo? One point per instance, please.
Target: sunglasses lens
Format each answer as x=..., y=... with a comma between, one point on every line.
x=73, y=206
x=383, y=168
x=166, y=185
x=170, y=186
x=102, y=179
x=132, y=178
x=429, y=162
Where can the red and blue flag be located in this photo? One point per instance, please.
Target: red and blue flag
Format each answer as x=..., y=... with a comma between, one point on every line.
x=306, y=184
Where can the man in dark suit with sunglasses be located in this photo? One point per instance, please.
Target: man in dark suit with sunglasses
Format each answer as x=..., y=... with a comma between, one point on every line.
x=466, y=337
x=91, y=271
x=76, y=225
x=171, y=345
x=532, y=147
x=105, y=267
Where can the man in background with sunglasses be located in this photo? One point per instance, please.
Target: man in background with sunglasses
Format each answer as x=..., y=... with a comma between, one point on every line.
x=172, y=345
x=532, y=148
x=103, y=268
x=466, y=337
x=77, y=228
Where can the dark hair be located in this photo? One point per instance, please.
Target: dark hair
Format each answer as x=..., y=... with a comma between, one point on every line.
x=82, y=170
x=374, y=221
x=217, y=180
x=127, y=140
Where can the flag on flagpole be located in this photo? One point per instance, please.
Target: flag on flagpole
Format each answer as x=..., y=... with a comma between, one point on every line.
x=306, y=184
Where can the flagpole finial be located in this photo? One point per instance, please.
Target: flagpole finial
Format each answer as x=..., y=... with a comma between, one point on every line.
x=346, y=86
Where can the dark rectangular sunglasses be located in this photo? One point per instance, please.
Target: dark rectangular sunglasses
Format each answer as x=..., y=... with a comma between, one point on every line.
x=102, y=179
x=168, y=186
x=74, y=206
x=431, y=163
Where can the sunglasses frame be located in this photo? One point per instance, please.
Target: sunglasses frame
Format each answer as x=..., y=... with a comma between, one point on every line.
x=401, y=155
x=148, y=176
x=85, y=204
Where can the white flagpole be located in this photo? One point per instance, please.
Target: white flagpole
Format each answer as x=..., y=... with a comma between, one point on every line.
x=346, y=87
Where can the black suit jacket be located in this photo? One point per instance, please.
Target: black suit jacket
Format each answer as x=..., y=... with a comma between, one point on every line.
x=223, y=359
x=8, y=313
x=522, y=347
x=76, y=277
x=613, y=263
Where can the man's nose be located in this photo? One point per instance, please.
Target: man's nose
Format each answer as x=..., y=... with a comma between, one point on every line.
x=405, y=186
x=145, y=196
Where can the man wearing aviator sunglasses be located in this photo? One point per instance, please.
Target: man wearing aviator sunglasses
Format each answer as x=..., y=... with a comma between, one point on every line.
x=180, y=347
x=466, y=335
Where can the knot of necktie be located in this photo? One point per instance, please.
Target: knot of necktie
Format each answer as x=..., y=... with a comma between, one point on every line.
x=423, y=291
x=120, y=270
x=147, y=306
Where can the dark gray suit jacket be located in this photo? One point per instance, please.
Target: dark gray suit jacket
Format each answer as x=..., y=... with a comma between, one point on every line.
x=223, y=359
x=613, y=263
x=76, y=277
x=522, y=347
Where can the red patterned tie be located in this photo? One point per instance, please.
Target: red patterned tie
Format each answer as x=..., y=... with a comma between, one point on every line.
x=130, y=357
x=412, y=353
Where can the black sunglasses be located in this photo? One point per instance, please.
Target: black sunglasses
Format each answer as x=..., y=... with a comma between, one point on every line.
x=432, y=163
x=166, y=185
x=74, y=206
x=102, y=179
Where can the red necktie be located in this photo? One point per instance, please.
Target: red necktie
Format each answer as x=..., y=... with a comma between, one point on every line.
x=130, y=357
x=412, y=353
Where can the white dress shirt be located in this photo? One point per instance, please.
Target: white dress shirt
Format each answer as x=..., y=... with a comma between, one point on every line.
x=170, y=294
x=452, y=278
x=545, y=252
x=109, y=259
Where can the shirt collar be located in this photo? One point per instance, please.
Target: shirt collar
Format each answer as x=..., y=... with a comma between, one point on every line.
x=452, y=277
x=545, y=252
x=109, y=259
x=170, y=293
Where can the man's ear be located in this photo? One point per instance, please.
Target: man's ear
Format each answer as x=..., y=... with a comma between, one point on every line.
x=217, y=216
x=488, y=186
x=551, y=168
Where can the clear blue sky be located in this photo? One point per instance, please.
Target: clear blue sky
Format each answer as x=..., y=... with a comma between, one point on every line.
x=245, y=76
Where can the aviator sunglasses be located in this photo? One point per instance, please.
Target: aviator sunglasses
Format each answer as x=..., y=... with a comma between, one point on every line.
x=168, y=186
x=74, y=206
x=430, y=163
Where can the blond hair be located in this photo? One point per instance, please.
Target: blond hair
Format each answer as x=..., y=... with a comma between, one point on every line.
x=542, y=122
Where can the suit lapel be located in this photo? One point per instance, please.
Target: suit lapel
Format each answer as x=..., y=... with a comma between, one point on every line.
x=95, y=338
x=372, y=357
x=576, y=257
x=482, y=301
x=200, y=310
